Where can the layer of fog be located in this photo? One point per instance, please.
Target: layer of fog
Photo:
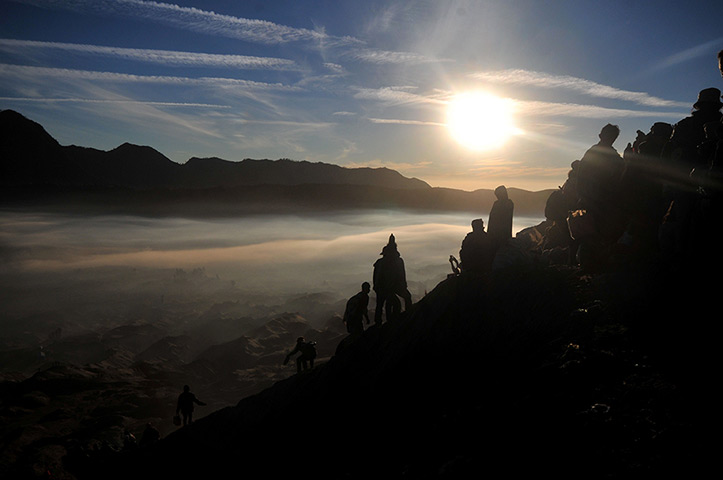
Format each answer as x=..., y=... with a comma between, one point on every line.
x=106, y=270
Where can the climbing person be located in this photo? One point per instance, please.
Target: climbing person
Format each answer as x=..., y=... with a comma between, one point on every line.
x=308, y=354
x=185, y=404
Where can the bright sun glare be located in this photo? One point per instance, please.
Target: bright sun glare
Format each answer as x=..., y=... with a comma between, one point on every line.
x=481, y=121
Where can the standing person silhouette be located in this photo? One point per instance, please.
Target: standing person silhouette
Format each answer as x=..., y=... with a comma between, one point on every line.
x=185, y=404
x=499, y=225
x=390, y=280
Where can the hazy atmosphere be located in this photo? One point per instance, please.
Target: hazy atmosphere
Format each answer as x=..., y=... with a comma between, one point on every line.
x=370, y=83
x=270, y=257
x=246, y=235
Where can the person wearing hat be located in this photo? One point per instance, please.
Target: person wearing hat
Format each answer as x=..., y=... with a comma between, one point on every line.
x=390, y=281
x=683, y=162
x=689, y=132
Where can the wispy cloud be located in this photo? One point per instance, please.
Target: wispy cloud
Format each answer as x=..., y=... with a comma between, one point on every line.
x=550, y=109
x=190, y=18
x=689, y=54
x=106, y=101
x=151, y=115
x=35, y=72
x=285, y=123
x=575, y=84
x=396, y=121
x=384, y=57
x=165, y=57
x=397, y=95
x=228, y=26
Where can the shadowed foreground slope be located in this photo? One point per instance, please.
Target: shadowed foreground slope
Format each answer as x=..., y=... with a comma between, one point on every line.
x=545, y=370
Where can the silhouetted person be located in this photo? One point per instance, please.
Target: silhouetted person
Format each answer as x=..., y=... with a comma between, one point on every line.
x=715, y=186
x=357, y=309
x=641, y=187
x=150, y=436
x=681, y=157
x=688, y=133
x=308, y=354
x=185, y=405
x=655, y=140
x=390, y=280
x=600, y=172
x=706, y=149
x=478, y=250
x=499, y=225
x=558, y=207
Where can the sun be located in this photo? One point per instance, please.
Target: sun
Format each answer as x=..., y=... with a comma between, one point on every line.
x=481, y=121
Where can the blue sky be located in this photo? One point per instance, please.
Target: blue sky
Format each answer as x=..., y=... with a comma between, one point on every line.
x=357, y=83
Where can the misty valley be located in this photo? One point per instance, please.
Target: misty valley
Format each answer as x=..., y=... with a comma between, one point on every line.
x=122, y=311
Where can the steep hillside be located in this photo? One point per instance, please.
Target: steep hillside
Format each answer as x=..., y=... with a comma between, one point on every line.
x=87, y=390
x=542, y=370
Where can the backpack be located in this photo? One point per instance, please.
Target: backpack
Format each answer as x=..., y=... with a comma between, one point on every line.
x=581, y=224
x=351, y=307
x=309, y=349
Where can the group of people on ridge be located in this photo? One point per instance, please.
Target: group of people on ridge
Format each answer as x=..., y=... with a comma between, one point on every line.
x=389, y=283
x=661, y=197
x=477, y=253
x=480, y=247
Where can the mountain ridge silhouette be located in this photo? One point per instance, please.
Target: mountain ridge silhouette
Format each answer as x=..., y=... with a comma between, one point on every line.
x=36, y=169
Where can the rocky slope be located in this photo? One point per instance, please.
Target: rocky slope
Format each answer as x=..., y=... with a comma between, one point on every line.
x=544, y=370
x=90, y=388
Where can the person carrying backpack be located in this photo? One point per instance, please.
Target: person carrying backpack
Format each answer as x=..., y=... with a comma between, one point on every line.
x=308, y=354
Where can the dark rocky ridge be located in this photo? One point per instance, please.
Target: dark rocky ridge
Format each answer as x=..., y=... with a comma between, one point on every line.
x=543, y=371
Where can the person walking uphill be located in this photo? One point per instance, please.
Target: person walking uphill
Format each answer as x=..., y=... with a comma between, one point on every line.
x=390, y=280
x=185, y=404
x=357, y=310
